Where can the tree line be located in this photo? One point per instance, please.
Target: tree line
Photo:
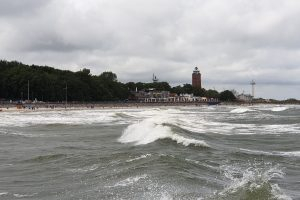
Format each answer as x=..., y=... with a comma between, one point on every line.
x=49, y=84
x=185, y=89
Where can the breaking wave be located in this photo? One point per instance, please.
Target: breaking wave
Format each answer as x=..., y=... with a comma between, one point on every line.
x=252, y=182
x=240, y=110
x=23, y=119
x=150, y=130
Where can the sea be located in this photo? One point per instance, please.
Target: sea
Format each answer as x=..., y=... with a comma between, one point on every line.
x=167, y=152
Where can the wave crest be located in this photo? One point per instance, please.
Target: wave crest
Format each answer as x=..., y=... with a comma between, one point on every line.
x=150, y=130
x=279, y=109
x=240, y=110
x=252, y=182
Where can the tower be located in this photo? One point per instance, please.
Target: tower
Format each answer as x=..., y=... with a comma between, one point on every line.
x=154, y=79
x=196, y=78
x=253, y=84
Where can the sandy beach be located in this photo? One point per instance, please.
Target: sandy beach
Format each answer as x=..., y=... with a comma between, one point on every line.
x=58, y=106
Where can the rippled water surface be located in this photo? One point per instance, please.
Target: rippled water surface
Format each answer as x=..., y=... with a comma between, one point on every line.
x=219, y=152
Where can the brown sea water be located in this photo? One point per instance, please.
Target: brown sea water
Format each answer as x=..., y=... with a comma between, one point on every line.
x=217, y=152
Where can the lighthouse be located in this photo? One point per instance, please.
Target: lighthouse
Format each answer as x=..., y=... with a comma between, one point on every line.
x=196, y=78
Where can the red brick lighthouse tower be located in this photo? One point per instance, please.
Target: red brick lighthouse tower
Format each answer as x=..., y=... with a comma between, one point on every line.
x=196, y=78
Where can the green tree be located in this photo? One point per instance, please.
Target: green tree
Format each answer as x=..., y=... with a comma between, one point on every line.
x=108, y=76
x=212, y=94
x=187, y=88
x=47, y=83
x=177, y=89
x=227, y=96
x=200, y=92
x=131, y=86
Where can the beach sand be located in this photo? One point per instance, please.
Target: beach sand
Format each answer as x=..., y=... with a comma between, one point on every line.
x=59, y=107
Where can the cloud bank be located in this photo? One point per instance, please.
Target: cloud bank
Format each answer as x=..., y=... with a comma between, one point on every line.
x=231, y=41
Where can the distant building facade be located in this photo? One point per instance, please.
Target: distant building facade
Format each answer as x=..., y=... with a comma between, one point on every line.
x=152, y=95
x=244, y=97
x=196, y=78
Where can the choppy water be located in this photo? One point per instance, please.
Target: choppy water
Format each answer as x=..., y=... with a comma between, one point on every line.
x=221, y=152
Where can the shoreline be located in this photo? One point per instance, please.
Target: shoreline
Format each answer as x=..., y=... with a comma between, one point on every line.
x=12, y=107
x=89, y=106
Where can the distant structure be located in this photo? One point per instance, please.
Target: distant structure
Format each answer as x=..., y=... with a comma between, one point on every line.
x=244, y=97
x=154, y=79
x=196, y=78
x=253, y=84
x=28, y=91
x=152, y=95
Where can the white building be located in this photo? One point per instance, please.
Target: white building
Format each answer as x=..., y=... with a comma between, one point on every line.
x=244, y=97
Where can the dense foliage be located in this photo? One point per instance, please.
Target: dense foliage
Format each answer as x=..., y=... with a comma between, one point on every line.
x=49, y=84
x=160, y=86
x=227, y=96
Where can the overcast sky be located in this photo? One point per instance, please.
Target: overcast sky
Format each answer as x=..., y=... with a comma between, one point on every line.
x=231, y=41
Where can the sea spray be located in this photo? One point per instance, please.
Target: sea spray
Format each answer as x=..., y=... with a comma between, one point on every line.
x=251, y=181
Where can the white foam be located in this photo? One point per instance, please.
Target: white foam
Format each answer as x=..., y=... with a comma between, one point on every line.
x=3, y=193
x=190, y=124
x=146, y=113
x=152, y=129
x=280, y=129
x=166, y=196
x=139, y=158
x=279, y=109
x=186, y=141
x=223, y=128
x=144, y=132
x=128, y=181
x=71, y=117
x=24, y=195
x=278, y=194
x=240, y=110
x=255, y=152
x=273, y=153
x=252, y=177
x=291, y=153
x=56, y=117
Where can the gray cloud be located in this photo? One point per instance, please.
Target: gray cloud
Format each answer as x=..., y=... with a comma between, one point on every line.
x=20, y=8
x=232, y=41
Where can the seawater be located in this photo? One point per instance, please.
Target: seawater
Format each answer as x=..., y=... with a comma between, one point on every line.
x=206, y=152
